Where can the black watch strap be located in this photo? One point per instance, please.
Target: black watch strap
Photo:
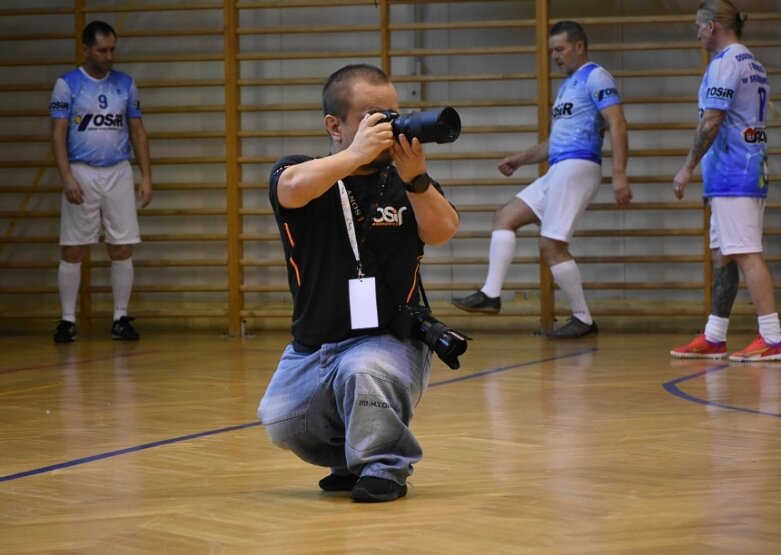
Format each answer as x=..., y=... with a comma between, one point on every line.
x=419, y=184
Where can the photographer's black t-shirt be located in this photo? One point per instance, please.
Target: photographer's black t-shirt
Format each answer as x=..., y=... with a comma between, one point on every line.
x=320, y=259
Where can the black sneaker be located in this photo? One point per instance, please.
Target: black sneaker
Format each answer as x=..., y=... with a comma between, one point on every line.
x=336, y=482
x=371, y=490
x=479, y=302
x=65, y=332
x=573, y=329
x=123, y=330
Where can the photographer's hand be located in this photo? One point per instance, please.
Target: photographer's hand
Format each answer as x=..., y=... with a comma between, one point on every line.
x=372, y=138
x=409, y=158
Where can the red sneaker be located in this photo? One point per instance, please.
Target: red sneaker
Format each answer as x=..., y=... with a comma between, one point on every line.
x=759, y=351
x=699, y=347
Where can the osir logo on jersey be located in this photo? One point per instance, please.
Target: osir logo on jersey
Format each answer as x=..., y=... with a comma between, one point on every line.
x=719, y=92
x=100, y=121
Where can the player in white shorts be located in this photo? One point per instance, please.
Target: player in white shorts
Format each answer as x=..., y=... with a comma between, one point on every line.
x=95, y=117
x=586, y=103
x=731, y=142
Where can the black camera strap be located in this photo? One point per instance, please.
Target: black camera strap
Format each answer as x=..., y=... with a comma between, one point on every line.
x=422, y=291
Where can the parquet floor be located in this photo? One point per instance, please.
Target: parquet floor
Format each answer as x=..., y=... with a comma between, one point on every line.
x=603, y=445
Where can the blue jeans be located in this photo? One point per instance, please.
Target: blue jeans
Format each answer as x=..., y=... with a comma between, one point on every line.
x=348, y=406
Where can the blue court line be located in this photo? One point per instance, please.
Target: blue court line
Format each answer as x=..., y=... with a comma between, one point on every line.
x=101, y=456
x=142, y=447
x=672, y=388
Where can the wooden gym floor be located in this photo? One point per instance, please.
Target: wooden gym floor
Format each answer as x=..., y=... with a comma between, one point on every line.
x=603, y=445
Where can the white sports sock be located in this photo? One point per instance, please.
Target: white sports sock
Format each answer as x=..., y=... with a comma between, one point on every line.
x=716, y=329
x=567, y=277
x=500, y=256
x=121, y=285
x=68, y=281
x=769, y=327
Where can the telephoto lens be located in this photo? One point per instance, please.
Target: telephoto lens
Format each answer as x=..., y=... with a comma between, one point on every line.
x=430, y=126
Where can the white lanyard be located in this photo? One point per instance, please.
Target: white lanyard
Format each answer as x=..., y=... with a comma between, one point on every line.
x=362, y=290
x=348, y=220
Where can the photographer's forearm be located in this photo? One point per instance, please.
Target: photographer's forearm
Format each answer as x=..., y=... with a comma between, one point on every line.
x=437, y=219
x=299, y=184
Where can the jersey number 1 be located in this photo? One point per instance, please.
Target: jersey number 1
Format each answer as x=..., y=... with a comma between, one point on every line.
x=762, y=92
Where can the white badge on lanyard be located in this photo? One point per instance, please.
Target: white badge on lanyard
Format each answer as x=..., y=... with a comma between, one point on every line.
x=363, y=290
x=363, y=303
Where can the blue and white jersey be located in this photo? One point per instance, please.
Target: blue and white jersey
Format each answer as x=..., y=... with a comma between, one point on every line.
x=735, y=165
x=578, y=126
x=97, y=111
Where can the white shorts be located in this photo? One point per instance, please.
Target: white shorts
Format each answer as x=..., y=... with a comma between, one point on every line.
x=736, y=224
x=561, y=195
x=109, y=199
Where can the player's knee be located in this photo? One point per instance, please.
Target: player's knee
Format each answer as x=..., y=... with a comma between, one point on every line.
x=554, y=252
x=73, y=253
x=120, y=252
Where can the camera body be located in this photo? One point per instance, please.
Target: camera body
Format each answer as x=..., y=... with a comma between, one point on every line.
x=430, y=126
x=418, y=322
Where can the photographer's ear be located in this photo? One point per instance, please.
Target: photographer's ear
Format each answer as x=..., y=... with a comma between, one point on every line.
x=333, y=126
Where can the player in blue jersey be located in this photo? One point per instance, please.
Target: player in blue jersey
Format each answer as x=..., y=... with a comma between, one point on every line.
x=587, y=102
x=95, y=118
x=731, y=143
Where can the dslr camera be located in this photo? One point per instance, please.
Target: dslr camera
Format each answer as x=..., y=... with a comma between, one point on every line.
x=430, y=126
x=417, y=322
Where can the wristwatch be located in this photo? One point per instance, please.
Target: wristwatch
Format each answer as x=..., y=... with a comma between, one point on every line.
x=419, y=184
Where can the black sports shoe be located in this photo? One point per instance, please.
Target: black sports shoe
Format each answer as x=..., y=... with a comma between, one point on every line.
x=65, y=332
x=479, y=302
x=371, y=490
x=336, y=482
x=573, y=329
x=123, y=330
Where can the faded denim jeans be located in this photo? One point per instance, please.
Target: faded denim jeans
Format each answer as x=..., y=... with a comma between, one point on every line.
x=348, y=406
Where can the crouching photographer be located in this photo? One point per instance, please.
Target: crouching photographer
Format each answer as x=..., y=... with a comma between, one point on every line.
x=353, y=226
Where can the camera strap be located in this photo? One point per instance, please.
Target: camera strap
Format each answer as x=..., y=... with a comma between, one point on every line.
x=350, y=207
x=422, y=291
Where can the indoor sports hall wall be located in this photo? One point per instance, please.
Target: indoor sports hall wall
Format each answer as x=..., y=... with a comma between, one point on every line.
x=228, y=87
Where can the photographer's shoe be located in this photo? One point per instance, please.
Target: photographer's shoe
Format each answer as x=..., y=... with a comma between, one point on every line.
x=478, y=302
x=65, y=332
x=123, y=330
x=337, y=482
x=573, y=329
x=372, y=490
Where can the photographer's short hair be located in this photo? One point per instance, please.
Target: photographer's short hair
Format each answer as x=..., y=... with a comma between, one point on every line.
x=89, y=36
x=573, y=29
x=336, y=91
x=724, y=13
